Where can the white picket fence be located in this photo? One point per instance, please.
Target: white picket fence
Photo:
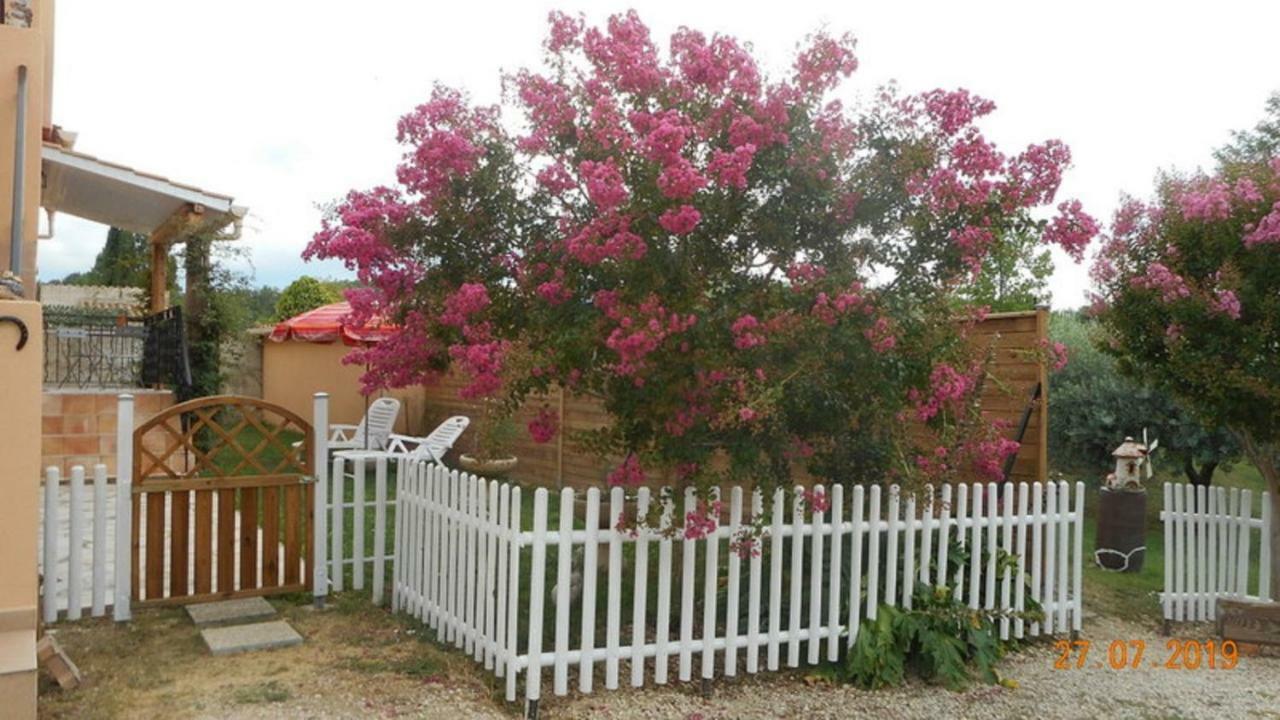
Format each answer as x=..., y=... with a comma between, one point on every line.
x=367, y=554
x=461, y=545
x=1209, y=550
x=76, y=544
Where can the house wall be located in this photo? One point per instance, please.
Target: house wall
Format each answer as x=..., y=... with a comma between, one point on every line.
x=294, y=371
x=21, y=379
x=19, y=486
x=78, y=427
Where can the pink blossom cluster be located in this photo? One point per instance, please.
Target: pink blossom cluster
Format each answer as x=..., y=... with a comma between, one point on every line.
x=703, y=520
x=468, y=300
x=988, y=456
x=748, y=332
x=1072, y=229
x=679, y=180
x=730, y=168
x=680, y=220
x=826, y=59
x=1159, y=277
x=715, y=66
x=1267, y=231
x=483, y=361
x=626, y=53
x=1035, y=175
x=444, y=136
x=1226, y=303
x=628, y=473
x=543, y=427
x=1055, y=352
x=606, y=238
x=1209, y=200
x=745, y=544
x=605, y=185
x=639, y=333
x=953, y=110
x=882, y=335
x=828, y=310
x=948, y=389
x=815, y=499
x=803, y=273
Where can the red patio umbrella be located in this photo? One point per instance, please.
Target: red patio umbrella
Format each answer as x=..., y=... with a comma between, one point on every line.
x=329, y=323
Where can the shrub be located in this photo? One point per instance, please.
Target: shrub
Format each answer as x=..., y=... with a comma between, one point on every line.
x=751, y=276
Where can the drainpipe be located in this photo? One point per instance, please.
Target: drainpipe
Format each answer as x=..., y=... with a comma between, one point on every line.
x=19, y=176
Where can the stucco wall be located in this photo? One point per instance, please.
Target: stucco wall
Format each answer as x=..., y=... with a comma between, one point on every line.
x=19, y=440
x=293, y=371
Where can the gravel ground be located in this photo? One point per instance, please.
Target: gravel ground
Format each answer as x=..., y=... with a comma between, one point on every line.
x=1251, y=690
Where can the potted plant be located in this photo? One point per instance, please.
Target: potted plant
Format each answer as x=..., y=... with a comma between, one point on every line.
x=493, y=442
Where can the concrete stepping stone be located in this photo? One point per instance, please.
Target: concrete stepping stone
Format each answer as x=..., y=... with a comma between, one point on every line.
x=227, y=612
x=232, y=639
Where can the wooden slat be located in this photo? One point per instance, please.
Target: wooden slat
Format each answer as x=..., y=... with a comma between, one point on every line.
x=308, y=551
x=204, y=542
x=248, y=539
x=292, y=523
x=270, y=536
x=217, y=483
x=226, y=540
x=155, y=545
x=179, y=543
x=135, y=542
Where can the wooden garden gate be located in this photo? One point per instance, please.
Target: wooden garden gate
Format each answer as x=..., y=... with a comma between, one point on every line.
x=223, y=495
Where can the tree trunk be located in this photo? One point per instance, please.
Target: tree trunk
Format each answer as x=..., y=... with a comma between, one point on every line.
x=1266, y=457
x=1203, y=475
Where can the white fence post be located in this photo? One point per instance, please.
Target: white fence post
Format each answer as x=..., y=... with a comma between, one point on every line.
x=52, y=531
x=320, y=517
x=99, y=540
x=121, y=610
x=75, y=549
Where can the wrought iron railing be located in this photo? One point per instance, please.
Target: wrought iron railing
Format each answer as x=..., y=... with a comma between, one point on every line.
x=97, y=349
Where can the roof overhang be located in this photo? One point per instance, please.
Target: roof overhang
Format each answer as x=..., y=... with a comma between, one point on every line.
x=111, y=194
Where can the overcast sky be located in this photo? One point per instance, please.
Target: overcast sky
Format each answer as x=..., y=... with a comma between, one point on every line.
x=289, y=103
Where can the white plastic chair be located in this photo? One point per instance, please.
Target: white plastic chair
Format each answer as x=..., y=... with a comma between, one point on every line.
x=433, y=447
x=374, y=430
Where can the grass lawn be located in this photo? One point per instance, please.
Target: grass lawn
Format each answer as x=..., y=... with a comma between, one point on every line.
x=357, y=660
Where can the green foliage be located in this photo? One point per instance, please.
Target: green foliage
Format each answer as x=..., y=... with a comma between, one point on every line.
x=124, y=261
x=939, y=640
x=1094, y=407
x=1015, y=275
x=1256, y=145
x=305, y=293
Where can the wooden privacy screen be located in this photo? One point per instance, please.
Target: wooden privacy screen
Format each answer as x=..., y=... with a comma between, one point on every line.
x=222, y=501
x=1016, y=366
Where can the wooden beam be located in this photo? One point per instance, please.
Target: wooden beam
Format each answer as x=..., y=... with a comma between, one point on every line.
x=175, y=229
x=159, y=277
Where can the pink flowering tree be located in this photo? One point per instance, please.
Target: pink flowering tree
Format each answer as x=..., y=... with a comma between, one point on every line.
x=1187, y=292
x=751, y=276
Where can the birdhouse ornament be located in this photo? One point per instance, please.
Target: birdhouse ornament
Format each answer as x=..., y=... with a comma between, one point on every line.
x=1133, y=460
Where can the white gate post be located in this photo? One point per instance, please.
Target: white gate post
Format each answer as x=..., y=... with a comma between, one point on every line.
x=52, y=479
x=320, y=517
x=121, y=611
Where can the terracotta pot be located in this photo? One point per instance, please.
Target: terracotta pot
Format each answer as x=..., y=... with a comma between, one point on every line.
x=489, y=468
